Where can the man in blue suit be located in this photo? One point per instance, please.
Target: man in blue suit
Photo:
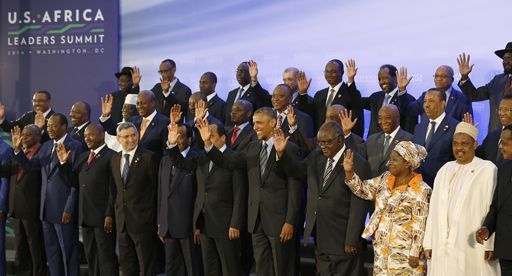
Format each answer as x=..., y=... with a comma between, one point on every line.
x=58, y=210
x=151, y=125
x=5, y=157
x=456, y=103
x=435, y=134
x=494, y=90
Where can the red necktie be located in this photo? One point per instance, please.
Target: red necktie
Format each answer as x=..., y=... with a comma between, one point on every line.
x=234, y=135
x=91, y=157
x=508, y=86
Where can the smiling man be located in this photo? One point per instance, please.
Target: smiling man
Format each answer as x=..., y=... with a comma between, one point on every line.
x=462, y=194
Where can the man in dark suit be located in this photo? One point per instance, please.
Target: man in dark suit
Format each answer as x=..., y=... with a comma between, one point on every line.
x=93, y=176
x=41, y=102
x=457, y=104
x=338, y=92
x=219, y=212
x=24, y=201
x=393, y=92
x=489, y=149
x=249, y=90
x=58, y=209
x=281, y=100
x=435, y=135
x=379, y=145
x=135, y=173
x=5, y=159
x=307, y=145
x=128, y=80
x=334, y=216
x=176, y=194
x=207, y=85
x=493, y=91
x=291, y=78
x=498, y=220
x=274, y=196
x=151, y=124
x=170, y=90
x=242, y=132
x=80, y=116
x=198, y=108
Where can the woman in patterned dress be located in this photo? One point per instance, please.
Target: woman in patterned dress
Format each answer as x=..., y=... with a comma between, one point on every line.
x=401, y=200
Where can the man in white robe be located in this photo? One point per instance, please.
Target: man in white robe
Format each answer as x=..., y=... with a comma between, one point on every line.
x=128, y=110
x=462, y=194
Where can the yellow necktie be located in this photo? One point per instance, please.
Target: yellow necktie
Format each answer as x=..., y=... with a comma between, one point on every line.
x=143, y=127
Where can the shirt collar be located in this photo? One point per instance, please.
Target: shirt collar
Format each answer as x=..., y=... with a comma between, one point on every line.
x=393, y=134
x=338, y=155
x=98, y=149
x=82, y=125
x=131, y=153
x=284, y=113
x=185, y=152
x=32, y=150
x=61, y=140
x=269, y=142
x=209, y=97
x=439, y=119
x=151, y=116
x=47, y=112
x=245, y=88
x=171, y=86
x=393, y=92
x=336, y=88
x=240, y=127
x=223, y=148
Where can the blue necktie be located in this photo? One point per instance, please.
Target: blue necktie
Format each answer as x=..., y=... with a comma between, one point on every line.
x=126, y=167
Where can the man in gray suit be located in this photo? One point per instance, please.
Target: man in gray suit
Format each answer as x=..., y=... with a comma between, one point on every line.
x=379, y=145
x=494, y=90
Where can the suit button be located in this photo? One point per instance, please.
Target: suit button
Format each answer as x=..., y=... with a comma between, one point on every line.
x=319, y=197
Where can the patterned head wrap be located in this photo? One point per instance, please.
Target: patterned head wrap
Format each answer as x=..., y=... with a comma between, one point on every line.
x=413, y=153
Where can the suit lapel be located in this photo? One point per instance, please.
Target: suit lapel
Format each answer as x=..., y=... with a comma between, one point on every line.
x=422, y=132
x=320, y=169
x=270, y=161
x=150, y=126
x=335, y=171
x=439, y=132
x=134, y=164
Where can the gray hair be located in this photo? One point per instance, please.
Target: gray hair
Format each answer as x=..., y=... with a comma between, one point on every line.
x=293, y=70
x=125, y=125
x=148, y=93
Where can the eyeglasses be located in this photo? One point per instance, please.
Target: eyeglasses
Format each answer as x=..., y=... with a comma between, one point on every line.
x=327, y=143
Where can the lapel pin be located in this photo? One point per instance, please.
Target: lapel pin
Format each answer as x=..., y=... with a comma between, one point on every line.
x=339, y=96
x=445, y=128
x=136, y=160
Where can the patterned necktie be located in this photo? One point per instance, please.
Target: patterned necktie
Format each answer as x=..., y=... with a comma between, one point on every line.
x=386, y=144
x=508, y=86
x=234, y=135
x=126, y=167
x=263, y=158
x=328, y=171
x=430, y=133
x=143, y=127
x=386, y=99
x=91, y=157
x=331, y=97
x=239, y=94
x=279, y=120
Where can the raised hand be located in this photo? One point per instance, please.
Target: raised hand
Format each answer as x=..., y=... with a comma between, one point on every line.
x=482, y=235
x=62, y=153
x=173, y=134
x=204, y=129
x=2, y=111
x=165, y=84
x=290, y=117
x=106, y=105
x=351, y=70
x=347, y=124
x=468, y=118
x=176, y=113
x=303, y=83
x=280, y=142
x=201, y=109
x=39, y=120
x=348, y=164
x=464, y=66
x=16, y=138
x=402, y=79
x=253, y=70
x=136, y=76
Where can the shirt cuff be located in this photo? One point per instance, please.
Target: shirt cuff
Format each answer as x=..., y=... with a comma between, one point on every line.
x=348, y=135
x=170, y=146
x=292, y=129
x=103, y=119
x=208, y=149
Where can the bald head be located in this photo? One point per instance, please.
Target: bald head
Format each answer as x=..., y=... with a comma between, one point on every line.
x=290, y=78
x=241, y=112
x=443, y=78
x=94, y=136
x=193, y=100
x=389, y=118
x=30, y=135
x=333, y=113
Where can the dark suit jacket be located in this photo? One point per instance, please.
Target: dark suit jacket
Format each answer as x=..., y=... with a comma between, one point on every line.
x=154, y=138
x=25, y=194
x=348, y=96
x=180, y=94
x=304, y=124
x=246, y=136
x=373, y=149
x=27, y=119
x=96, y=187
x=221, y=200
x=492, y=91
x=57, y=194
x=499, y=217
x=456, y=107
x=198, y=142
x=79, y=135
x=118, y=102
x=333, y=214
x=216, y=108
x=374, y=103
x=275, y=197
x=135, y=204
x=439, y=149
x=256, y=95
x=176, y=195
x=307, y=145
x=489, y=150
